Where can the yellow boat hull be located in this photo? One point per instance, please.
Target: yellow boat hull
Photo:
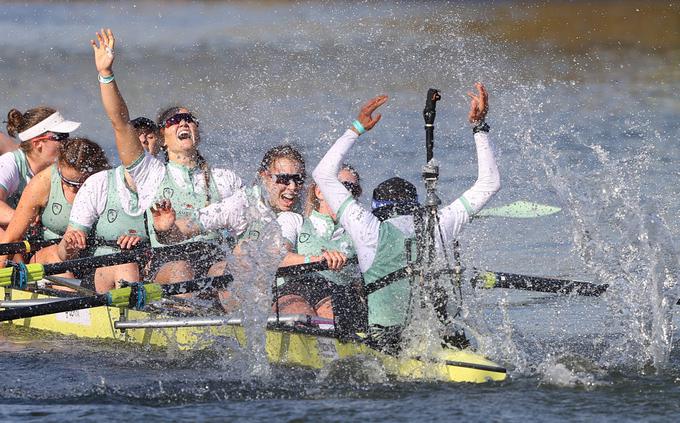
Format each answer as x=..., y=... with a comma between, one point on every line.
x=288, y=347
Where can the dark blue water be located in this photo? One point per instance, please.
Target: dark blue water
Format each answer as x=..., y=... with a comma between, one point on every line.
x=584, y=113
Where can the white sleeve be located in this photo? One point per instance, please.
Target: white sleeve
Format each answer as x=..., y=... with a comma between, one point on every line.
x=291, y=225
x=488, y=183
x=148, y=173
x=90, y=201
x=227, y=182
x=362, y=226
x=229, y=213
x=9, y=173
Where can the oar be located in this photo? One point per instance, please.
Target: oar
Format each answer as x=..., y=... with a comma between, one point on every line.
x=138, y=295
x=134, y=296
x=519, y=210
x=489, y=280
x=37, y=271
x=22, y=247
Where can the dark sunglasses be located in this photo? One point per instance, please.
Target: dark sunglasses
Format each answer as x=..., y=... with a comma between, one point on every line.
x=354, y=189
x=286, y=178
x=177, y=118
x=70, y=182
x=54, y=136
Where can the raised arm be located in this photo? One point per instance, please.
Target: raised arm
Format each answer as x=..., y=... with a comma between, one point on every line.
x=129, y=147
x=359, y=223
x=488, y=180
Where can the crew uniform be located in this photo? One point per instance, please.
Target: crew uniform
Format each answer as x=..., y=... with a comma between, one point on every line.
x=186, y=189
x=106, y=203
x=15, y=174
x=379, y=242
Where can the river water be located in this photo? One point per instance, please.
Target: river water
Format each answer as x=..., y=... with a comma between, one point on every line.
x=585, y=115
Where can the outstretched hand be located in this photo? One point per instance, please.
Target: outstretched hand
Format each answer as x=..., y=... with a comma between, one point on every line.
x=365, y=114
x=479, y=104
x=164, y=216
x=103, y=51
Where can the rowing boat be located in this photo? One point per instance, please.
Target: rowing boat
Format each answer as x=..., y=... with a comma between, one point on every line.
x=290, y=340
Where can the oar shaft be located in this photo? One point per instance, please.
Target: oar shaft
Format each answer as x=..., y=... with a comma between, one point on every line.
x=539, y=284
x=51, y=308
x=25, y=246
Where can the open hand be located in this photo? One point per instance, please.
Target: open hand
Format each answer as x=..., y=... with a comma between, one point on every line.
x=164, y=216
x=103, y=51
x=365, y=114
x=479, y=104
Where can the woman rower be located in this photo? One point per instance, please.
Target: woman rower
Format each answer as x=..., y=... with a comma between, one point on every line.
x=50, y=194
x=106, y=217
x=321, y=293
x=186, y=179
x=41, y=131
x=379, y=236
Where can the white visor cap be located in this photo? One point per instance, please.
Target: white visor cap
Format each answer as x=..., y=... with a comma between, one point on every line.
x=53, y=123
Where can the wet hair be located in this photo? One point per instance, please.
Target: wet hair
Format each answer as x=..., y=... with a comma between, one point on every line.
x=200, y=160
x=18, y=122
x=395, y=196
x=312, y=202
x=284, y=151
x=83, y=155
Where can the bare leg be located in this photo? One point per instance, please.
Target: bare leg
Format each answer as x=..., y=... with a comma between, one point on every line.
x=293, y=304
x=174, y=271
x=324, y=308
x=105, y=278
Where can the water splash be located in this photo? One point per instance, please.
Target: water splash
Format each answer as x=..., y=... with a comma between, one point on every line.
x=620, y=237
x=253, y=265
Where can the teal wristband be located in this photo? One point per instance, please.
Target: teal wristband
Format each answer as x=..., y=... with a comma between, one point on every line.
x=359, y=127
x=105, y=79
x=308, y=259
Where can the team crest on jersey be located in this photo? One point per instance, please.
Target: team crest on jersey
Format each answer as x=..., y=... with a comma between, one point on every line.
x=56, y=208
x=111, y=215
x=304, y=237
x=168, y=193
x=254, y=235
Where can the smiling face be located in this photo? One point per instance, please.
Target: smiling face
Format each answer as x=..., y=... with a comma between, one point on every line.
x=181, y=136
x=281, y=180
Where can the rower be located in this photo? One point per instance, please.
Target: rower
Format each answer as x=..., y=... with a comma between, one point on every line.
x=50, y=195
x=148, y=133
x=41, y=131
x=186, y=179
x=322, y=237
x=106, y=217
x=379, y=235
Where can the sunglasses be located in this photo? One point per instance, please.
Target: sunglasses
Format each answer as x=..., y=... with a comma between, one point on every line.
x=53, y=136
x=71, y=182
x=354, y=189
x=177, y=118
x=286, y=178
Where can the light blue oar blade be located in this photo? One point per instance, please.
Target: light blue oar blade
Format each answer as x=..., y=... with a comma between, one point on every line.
x=519, y=210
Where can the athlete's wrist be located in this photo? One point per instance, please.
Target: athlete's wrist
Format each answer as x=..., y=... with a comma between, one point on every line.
x=480, y=126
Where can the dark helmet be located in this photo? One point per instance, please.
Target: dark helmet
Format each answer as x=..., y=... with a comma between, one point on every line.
x=394, y=196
